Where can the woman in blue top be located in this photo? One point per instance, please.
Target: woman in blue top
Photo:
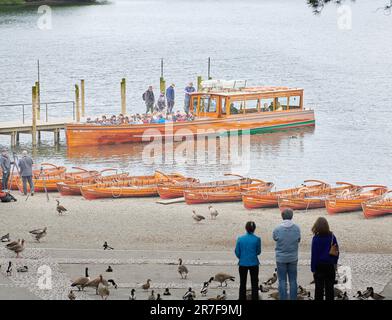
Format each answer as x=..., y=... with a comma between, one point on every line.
x=247, y=249
x=323, y=264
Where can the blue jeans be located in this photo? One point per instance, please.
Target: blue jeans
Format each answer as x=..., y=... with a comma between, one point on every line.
x=287, y=270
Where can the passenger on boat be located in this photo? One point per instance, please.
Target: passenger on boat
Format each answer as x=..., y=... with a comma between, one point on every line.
x=233, y=110
x=271, y=106
x=188, y=89
x=149, y=99
x=170, y=98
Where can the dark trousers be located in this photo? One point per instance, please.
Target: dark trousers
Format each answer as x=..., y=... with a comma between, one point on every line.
x=170, y=105
x=28, y=179
x=254, y=279
x=4, y=181
x=324, y=279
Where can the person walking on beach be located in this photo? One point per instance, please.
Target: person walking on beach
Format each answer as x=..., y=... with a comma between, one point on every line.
x=188, y=90
x=247, y=249
x=170, y=98
x=149, y=99
x=324, y=259
x=5, y=165
x=26, y=172
x=287, y=236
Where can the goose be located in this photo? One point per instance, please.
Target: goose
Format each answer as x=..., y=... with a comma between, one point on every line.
x=213, y=212
x=337, y=292
x=151, y=296
x=5, y=238
x=111, y=281
x=94, y=283
x=22, y=269
x=197, y=217
x=59, y=208
x=182, y=270
x=103, y=289
x=219, y=296
x=189, y=295
x=272, y=280
x=106, y=246
x=159, y=297
x=204, y=290
x=222, y=277
x=38, y=234
x=375, y=296
x=146, y=286
x=12, y=244
x=263, y=289
x=359, y=295
x=302, y=291
x=133, y=295
x=274, y=295
x=9, y=269
x=167, y=292
x=18, y=248
x=71, y=295
x=109, y=269
x=81, y=282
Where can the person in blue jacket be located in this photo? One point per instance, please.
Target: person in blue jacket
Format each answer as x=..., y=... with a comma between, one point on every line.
x=323, y=263
x=287, y=236
x=247, y=249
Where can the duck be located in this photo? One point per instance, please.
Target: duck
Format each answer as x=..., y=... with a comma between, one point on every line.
x=197, y=217
x=114, y=284
x=272, y=280
x=146, y=286
x=159, y=297
x=106, y=246
x=17, y=248
x=59, y=208
x=9, y=269
x=263, y=289
x=213, y=212
x=342, y=297
x=132, y=295
x=204, y=289
x=71, y=295
x=109, y=269
x=81, y=282
x=167, y=292
x=5, y=238
x=375, y=296
x=222, y=277
x=182, y=270
x=189, y=295
x=38, y=234
x=151, y=296
x=22, y=269
x=103, y=289
x=302, y=291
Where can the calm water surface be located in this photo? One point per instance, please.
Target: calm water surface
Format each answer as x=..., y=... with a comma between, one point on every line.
x=346, y=75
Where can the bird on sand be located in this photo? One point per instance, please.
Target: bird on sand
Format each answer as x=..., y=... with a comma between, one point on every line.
x=132, y=295
x=152, y=295
x=272, y=280
x=103, y=289
x=182, y=270
x=59, y=208
x=146, y=286
x=189, y=295
x=167, y=292
x=5, y=238
x=263, y=289
x=159, y=297
x=222, y=277
x=22, y=269
x=38, y=234
x=17, y=248
x=109, y=269
x=197, y=217
x=81, y=282
x=219, y=296
x=114, y=284
x=107, y=247
x=213, y=212
x=9, y=269
x=204, y=289
x=71, y=295
x=343, y=296
x=12, y=244
x=375, y=296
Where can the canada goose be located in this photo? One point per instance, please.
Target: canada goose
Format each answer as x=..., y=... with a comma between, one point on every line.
x=151, y=296
x=71, y=295
x=103, y=289
x=219, y=296
x=337, y=292
x=272, y=280
x=38, y=233
x=204, y=290
x=111, y=281
x=107, y=247
x=12, y=244
x=274, y=295
x=9, y=269
x=263, y=289
x=109, y=269
x=182, y=270
x=213, y=212
x=18, y=248
x=302, y=291
x=60, y=209
x=5, y=238
x=146, y=286
x=167, y=292
x=222, y=277
x=159, y=297
x=81, y=282
x=189, y=295
x=94, y=283
x=133, y=295
x=197, y=217
x=359, y=295
x=22, y=269
x=375, y=296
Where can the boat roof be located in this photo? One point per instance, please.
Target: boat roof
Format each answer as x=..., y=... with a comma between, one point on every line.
x=248, y=91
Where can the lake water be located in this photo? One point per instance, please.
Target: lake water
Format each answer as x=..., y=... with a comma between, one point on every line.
x=346, y=75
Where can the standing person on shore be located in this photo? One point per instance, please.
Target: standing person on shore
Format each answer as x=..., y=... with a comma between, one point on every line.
x=5, y=165
x=149, y=99
x=325, y=255
x=188, y=90
x=287, y=236
x=26, y=172
x=247, y=249
x=170, y=95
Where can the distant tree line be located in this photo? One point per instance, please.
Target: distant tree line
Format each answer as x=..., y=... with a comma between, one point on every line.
x=318, y=5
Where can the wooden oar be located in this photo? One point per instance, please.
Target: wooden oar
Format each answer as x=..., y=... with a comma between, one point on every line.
x=78, y=168
x=234, y=175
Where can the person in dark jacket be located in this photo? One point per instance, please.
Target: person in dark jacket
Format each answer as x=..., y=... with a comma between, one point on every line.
x=247, y=249
x=170, y=98
x=323, y=263
x=5, y=166
x=26, y=172
x=149, y=99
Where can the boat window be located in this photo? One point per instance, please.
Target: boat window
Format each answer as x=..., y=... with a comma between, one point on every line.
x=223, y=104
x=295, y=102
x=282, y=104
x=251, y=106
x=208, y=104
x=266, y=104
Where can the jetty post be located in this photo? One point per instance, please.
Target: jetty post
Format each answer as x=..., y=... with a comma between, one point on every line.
x=34, y=116
x=82, y=98
x=77, y=104
x=199, y=80
x=123, y=96
x=209, y=68
x=38, y=100
x=162, y=81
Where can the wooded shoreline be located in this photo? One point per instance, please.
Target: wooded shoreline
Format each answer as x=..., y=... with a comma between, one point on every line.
x=46, y=2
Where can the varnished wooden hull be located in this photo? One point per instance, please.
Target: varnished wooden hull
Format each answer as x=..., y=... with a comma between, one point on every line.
x=95, y=192
x=376, y=209
x=89, y=134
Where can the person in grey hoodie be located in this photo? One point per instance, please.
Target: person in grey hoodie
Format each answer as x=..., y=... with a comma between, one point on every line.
x=5, y=166
x=287, y=236
x=26, y=172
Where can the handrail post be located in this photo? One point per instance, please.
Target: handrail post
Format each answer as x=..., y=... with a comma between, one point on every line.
x=34, y=115
x=82, y=97
x=77, y=103
x=123, y=97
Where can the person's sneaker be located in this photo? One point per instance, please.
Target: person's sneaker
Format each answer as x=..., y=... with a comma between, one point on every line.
x=32, y=194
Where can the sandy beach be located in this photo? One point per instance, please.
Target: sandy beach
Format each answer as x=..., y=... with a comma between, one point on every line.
x=148, y=239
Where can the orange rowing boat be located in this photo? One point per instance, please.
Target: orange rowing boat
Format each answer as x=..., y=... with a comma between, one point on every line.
x=352, y=201
x=313, y=200
x=256, y=199
x=229, y=193
x=379, y=206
